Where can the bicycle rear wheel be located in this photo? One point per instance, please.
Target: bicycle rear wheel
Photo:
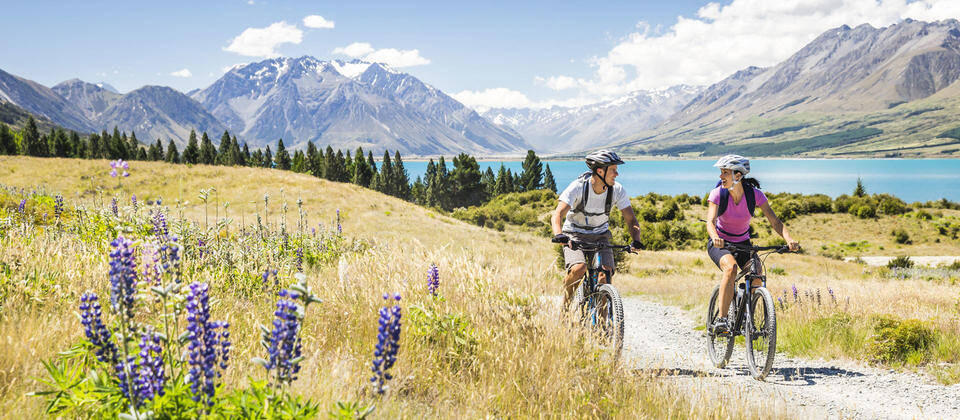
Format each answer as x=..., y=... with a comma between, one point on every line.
x=610, y=318
x=719, y=348
x=761, y=334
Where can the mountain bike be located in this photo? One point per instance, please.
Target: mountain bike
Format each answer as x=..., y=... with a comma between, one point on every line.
x=756, y=322
x=599, y=305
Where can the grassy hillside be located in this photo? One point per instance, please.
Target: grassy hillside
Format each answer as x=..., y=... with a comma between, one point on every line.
x=488, y=345
x=923, y=128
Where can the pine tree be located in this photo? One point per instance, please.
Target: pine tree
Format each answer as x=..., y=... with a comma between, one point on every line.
x=860, y=191
x=373, y=167
x=246, y=155
x=118, y=145
x=268, y=159
x=341, y=162
x=466, y=181
x=400, y=179
x=94, y=146
x=236, y=155
x=439, y=190
x=362, y=174
x=503, y=182
x=208, y=152
x=59, y=144
x=106, y=146
x=282, y=157
x=154, y=153
x=8, y=145
x=77, y=148
x=225, y=154
x=30, y=136
x=313, y=162
x=489, y=181
x=141, y=153
x=172, y=156
x=548, y=182
x=191, y=154
x=385, y=184
x=532, y=176
x=299, y=162
x=256, y=159
x=348, y=167
x=418, y=192
x=133, y=146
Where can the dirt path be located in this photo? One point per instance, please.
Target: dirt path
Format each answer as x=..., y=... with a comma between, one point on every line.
x=661, y=339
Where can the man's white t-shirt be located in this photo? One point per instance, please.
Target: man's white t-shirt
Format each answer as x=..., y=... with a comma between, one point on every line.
x=581, y=223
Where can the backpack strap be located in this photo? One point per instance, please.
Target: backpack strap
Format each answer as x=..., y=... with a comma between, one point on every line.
x=585, y=186
x=748, y=194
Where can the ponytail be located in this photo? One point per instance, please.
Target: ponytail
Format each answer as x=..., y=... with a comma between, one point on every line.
x=752, y=182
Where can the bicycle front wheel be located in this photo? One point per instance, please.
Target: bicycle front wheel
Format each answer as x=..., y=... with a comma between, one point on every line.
x=761, y=334
x=610, y=318
x=719, y=348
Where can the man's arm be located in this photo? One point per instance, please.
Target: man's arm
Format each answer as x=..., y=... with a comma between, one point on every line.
x=630, y=220
x=556, y=222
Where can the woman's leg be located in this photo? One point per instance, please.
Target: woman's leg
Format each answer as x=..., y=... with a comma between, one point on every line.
x=728, y=265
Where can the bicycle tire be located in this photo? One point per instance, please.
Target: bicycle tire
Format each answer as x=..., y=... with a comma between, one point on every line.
x=610, y=309
x=761, y=339
x=721, y=358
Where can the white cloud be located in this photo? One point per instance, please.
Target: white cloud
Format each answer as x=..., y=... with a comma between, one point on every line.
x=493, y=98
x=355, y=50
x=182, y=73
x=390, y=56
x=317, y=22
x=722, y=39
x=557, y=82
x=262, y=42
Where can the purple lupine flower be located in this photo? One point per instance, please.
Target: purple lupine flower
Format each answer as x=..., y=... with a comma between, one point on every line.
x=160, y=226
x=22, y=206
x=204, y=345
x=284, y=347
x=150, y=378
x=200, y=245
x=266, y=276
x=93, y=328
x=113, y=207
x=300, y=259
x=123, y=278
x=388, y=343
x=133, y=201
x=339, y=227
x=433, y=279
x=152, y=266
x=57, y=206
x=121, y=165
x=126, y=371
x=794, y=287
x=159, y=201
x=832, y=296
x=780, y=299
x=170, y=256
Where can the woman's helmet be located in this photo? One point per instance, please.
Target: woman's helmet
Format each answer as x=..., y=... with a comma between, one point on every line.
x=735, y=163
x=602, y=159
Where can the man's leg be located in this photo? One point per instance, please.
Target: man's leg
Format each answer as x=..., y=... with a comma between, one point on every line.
x=570, y=283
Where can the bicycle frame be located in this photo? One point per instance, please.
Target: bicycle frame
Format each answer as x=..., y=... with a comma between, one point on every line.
x=591, y=282
x=752, y=272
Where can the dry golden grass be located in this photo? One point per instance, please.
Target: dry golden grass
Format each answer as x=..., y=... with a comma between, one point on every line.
x=522, y=361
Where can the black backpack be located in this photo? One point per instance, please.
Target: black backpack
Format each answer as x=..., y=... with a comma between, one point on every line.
x=585, y=177
x=724, y=199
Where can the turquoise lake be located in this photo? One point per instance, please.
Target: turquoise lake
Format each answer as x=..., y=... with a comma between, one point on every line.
x=909, y=179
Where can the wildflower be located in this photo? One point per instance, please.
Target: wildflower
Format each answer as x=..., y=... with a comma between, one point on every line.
x=160, y=226
x=57, y=206
x=150, y=379
x=93, y=328
x=125, y=371
x=388, y=343
x=794, y=287
x=200, y=245
x=123, y=278
x=780, y=300
x=113, y=207
x=818, y=296
x=205, y=345
x=300, y=259
x=121, y=165
x=133, y=201
x=159, y=201
x=832, y=297
x=23, y=204
x=266, y=276
x=433, y=279
x=339, y=228
x=152, y=265
x=283, y=343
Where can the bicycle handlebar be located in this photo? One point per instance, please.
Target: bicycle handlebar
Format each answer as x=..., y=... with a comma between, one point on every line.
x=779, y=249
x=590, y=246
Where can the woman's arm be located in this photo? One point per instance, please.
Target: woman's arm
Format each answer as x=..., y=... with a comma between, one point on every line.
x=712, y=225
x=778, y=226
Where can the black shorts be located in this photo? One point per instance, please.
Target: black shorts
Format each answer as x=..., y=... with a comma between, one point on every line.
x=742, y=257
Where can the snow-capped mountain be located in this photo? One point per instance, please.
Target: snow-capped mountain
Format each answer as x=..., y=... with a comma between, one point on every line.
x=348, y=104
x=569, y=129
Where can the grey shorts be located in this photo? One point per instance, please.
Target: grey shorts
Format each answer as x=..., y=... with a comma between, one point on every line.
x=571, y=257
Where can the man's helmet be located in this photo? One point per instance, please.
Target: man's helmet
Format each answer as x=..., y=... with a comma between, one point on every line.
x=602, y=159
x=735, y=163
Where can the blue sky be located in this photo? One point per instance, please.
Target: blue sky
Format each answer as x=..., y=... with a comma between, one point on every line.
x=518, y=53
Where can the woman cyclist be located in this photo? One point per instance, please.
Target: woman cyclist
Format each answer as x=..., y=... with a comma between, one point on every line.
x=728, y=221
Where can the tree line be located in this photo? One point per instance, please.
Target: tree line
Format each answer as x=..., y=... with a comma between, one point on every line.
x=464, y=185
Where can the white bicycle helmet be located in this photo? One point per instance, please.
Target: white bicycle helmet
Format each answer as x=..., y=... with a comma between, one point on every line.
x=603, y=158
x=735, y=163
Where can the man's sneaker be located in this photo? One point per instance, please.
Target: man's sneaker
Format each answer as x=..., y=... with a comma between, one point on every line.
x=720, y=327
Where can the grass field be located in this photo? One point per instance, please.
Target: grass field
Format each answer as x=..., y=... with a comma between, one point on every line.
x=489, y=346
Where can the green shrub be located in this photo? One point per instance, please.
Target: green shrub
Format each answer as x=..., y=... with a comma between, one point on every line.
x=901, y=236
x=891, y=205
x=669, y=211
x=902, y=261
x=901, y=342
x=648, y=214
x=866, y=211
x=923, y=215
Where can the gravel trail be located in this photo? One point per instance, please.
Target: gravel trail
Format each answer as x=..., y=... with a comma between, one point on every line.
x=661, y=339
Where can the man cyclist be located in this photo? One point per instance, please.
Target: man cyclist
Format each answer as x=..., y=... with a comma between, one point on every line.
x=582, y=215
